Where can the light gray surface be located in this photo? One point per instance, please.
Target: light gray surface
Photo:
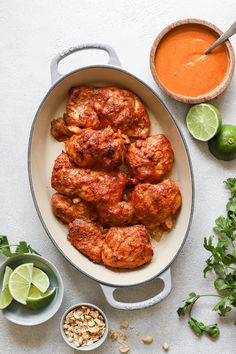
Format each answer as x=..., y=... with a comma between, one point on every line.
x=32, y=32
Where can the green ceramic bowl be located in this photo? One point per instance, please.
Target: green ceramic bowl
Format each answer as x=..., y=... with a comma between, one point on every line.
x=20, y=314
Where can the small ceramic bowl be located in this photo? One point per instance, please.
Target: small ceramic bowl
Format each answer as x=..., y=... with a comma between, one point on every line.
x=20, y=314
x=91, y=346
x=210, y=95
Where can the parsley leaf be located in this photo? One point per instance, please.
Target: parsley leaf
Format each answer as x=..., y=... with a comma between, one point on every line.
x=192, y=298
x=222, y=263
x=199, y=328
x=231, y=185
x=21, y=248
x=222, y=306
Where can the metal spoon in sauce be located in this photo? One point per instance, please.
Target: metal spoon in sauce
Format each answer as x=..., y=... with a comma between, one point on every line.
x=226, y=35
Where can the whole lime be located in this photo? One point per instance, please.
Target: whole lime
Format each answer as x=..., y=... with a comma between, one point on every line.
x=223, y=145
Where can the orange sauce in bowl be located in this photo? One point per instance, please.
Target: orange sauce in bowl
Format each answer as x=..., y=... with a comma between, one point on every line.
x=182, y=66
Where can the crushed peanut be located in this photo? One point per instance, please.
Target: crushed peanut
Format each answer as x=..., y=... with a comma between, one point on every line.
x=84, y=325
x=165, y=346
x=124, y=324
x=147, y=340
x=122, y=336
x=113, y=335
x=124, y=348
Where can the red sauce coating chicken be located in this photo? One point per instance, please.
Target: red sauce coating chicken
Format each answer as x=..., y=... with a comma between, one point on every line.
x=99, y=107
x=156, y=204
x=127, y=247
x=110, y=213
x=103, y=149
x=92, y=186
x=151, y=159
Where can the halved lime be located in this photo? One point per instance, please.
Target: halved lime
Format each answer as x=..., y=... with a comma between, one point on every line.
x=223, y=145
x=20, y=281
x=36, y=299
x=40, y=279
x=203, y=121
x=5, y=297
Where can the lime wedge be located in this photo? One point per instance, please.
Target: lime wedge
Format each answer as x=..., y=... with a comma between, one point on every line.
x=203, y=121
x=19, y=282
x=36, y=299
x=6, y=277
x=5, y=297
x=25, y=271
x=40, y=279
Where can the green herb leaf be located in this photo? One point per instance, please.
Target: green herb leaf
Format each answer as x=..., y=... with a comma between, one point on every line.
x=212, y=330
x=221, y=307
x=223, y=226
x=231, y=207
x=222, y=262
x=192, y=298
x=20, y=248
x=4, y=245
x=231, y=185
x=220, y=284
x=197, y=327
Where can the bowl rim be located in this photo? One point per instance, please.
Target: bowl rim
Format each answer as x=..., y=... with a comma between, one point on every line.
x=59, y=294
x=95, y=344
x=207, y=96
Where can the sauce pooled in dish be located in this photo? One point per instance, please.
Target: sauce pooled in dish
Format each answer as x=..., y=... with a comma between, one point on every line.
x=183, y=67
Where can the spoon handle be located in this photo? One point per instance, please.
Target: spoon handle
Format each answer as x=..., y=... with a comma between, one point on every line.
x=226, y=35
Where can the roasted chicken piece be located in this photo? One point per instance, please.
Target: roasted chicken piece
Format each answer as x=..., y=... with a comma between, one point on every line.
x=87, y=237
x=80, y=108
x=156, y=204
x=92, y=186
x=151, y=159
x=120, y=214
x=103, y=149
x=60, y=131
x=67, y=209
x=127, y=247
x=96, y=108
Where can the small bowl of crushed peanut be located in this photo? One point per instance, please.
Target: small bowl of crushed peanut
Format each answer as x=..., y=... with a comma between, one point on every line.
x=84, y=327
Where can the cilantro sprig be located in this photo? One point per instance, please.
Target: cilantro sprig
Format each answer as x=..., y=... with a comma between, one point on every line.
x=222, y=263
x=14, y=250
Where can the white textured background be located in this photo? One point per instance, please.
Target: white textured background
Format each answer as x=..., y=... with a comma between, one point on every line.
x=32, y=32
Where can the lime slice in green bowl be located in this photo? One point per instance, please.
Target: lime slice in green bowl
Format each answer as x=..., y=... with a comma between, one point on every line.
x=5, y=298
x=6, y=277
x=20, y=281
x=40, y=280
x=203, y=121
x=36, y=299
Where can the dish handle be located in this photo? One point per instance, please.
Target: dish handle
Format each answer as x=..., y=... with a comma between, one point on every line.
x=113, y=58
x=109, y=295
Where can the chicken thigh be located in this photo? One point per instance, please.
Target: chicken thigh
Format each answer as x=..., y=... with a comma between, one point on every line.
x=92, y=186
x=119, y=214
x=61, y=131
x=127, y=247
x=88, y=238
x=96, y=108
x=151, y=159
x=67, y=209
x=103, y=149
x=156, y=204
